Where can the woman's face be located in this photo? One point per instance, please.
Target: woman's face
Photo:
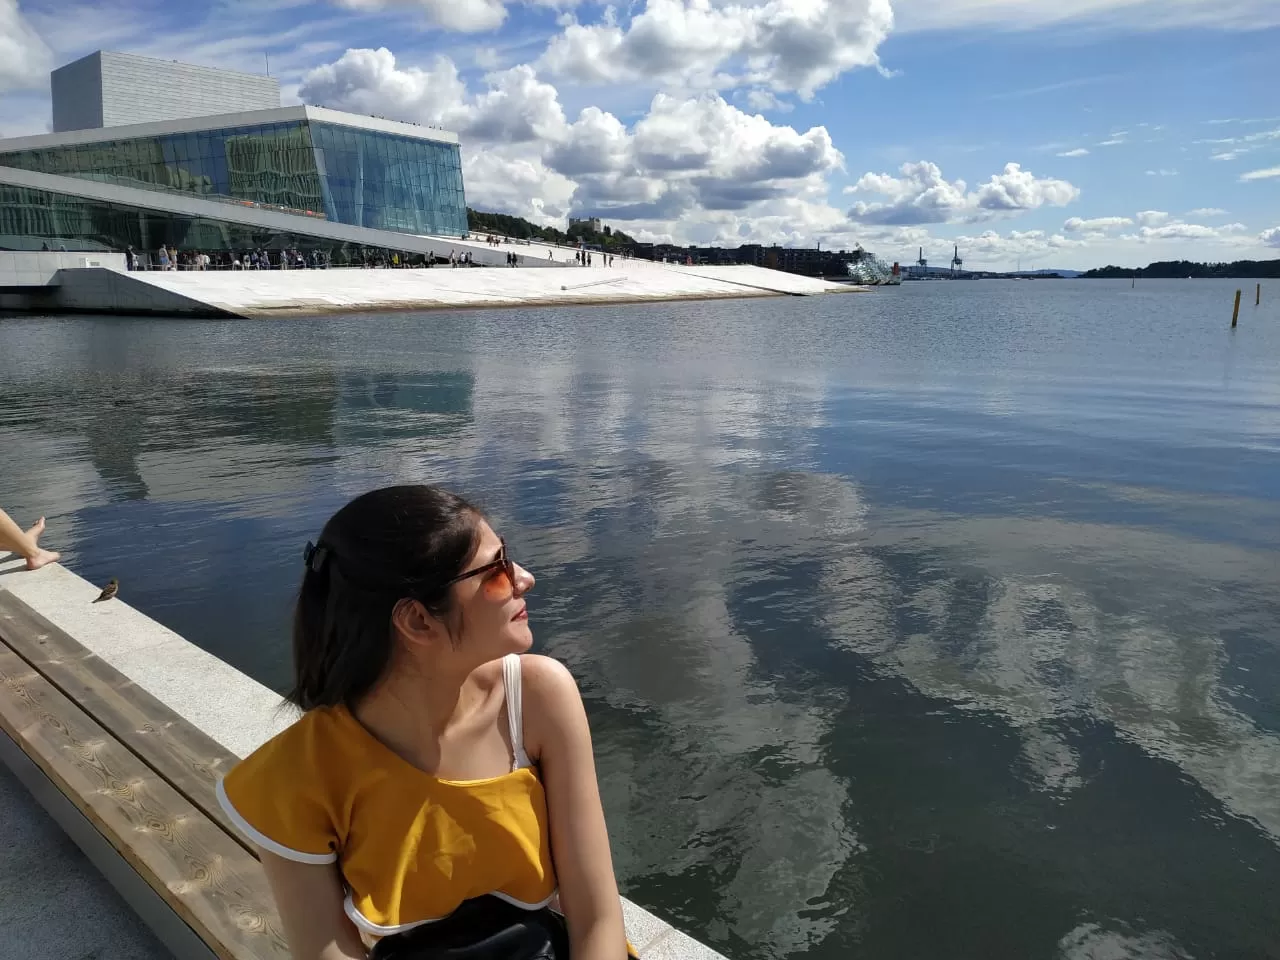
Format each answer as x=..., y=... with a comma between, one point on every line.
x=490, y=606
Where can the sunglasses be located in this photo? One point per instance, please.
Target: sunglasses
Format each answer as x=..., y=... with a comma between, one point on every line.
x=495, y=587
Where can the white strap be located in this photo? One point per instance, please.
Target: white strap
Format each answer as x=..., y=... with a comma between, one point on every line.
x=511, y=674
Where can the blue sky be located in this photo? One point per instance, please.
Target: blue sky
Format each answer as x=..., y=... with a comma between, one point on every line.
x=1070, y=133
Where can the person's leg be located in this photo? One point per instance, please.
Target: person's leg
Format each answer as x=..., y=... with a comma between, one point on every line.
x=24, y=543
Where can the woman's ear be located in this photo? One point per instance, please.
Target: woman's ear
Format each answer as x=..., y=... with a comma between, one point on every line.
x=411, y=620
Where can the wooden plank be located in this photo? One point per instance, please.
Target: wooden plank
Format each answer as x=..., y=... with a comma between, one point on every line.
x=185, y=756
x=205, y=877
x=178, y=938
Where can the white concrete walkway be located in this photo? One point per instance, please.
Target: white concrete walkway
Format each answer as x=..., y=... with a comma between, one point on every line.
x=256, y=293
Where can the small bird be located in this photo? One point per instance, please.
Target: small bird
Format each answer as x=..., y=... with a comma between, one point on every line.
x=109, y=591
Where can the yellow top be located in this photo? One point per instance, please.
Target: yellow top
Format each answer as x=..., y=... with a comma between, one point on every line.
x=411, y=847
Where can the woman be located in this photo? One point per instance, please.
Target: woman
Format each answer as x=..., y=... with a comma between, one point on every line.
x=439, y=787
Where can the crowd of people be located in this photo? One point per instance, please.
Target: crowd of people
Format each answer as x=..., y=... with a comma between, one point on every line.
x=167, y=257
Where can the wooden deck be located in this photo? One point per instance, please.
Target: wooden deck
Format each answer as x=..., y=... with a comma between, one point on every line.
x=140, y=784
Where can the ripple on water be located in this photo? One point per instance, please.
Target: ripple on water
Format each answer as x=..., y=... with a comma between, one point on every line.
x=939, y=622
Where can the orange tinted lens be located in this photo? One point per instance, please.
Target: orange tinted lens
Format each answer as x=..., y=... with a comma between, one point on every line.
x=500, y=584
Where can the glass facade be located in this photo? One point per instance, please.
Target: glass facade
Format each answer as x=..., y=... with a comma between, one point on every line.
x=329, y=171
x=39, y=219
x=389, y=183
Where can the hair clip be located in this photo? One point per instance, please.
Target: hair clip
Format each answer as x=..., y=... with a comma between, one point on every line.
x=314, y=556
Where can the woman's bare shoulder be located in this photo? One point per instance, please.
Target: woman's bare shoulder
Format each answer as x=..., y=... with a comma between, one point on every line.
x=547, y=678
x=552, y=705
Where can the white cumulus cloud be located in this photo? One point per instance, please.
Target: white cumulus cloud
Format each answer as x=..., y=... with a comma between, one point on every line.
x=787, y=46
x=991, y=249
x=1096, y=225
x=370, y=82
x=466, y=16
x=1270, y=238
x=921, y=194
x=1157, y=225
x=697, y=165
x=1177, y=230
x=463, y=16
x=686, y=157
x=25, y=59
x=1267, y=174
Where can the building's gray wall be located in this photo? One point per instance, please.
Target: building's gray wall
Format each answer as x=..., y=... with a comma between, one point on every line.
x=126, y=88
x=19, y=268
x=77, y=94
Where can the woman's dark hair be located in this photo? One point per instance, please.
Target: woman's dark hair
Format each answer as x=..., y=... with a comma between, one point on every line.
x=383, y=546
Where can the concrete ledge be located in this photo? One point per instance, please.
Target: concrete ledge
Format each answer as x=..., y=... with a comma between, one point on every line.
x=229, y=706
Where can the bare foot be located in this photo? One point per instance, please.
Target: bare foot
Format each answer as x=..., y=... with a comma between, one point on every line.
x=40, y=557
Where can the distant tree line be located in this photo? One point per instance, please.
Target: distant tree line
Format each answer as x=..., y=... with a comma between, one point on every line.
x=1178, y=269
x=522, y=229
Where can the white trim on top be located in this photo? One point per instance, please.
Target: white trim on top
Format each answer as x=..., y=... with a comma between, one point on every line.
x=378, y=930
x=245, y=118
x=398, y=127
x=262, y=840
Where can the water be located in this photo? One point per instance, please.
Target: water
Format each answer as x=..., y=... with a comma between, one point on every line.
x=940, y=622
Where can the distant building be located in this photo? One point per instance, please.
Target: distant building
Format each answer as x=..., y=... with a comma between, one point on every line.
x=153, y=153
x=591, y=224
x=109, y=89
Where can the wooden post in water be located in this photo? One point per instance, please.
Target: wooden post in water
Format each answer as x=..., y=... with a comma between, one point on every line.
x=1235, y=314
x=1257, y=300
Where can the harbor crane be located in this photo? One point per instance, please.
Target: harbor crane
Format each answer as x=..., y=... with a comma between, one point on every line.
x=956, y=262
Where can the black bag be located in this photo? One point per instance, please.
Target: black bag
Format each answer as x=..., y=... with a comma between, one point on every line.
x=483, y=928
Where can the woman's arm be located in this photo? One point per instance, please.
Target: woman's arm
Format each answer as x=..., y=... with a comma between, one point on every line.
x=560, y=741
x=309, y=898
